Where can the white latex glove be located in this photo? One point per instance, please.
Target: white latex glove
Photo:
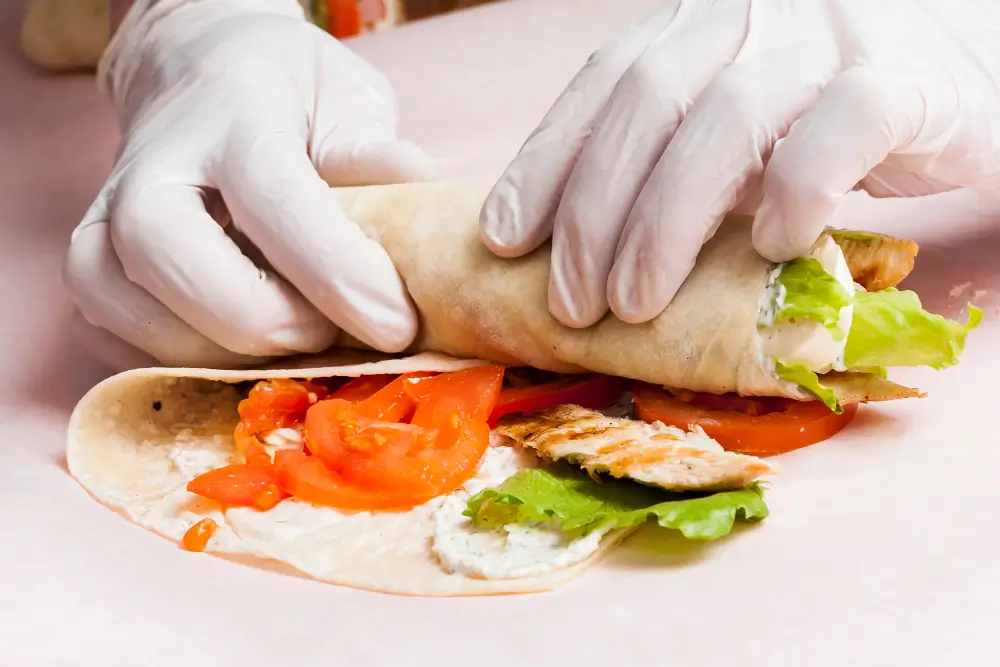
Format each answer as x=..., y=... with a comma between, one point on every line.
x=239, y=110
x=707, y=104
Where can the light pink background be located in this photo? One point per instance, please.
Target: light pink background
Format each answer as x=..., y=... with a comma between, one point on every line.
x=882, y=548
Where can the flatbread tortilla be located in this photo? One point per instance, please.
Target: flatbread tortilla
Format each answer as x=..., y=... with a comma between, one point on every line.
x=137, y=438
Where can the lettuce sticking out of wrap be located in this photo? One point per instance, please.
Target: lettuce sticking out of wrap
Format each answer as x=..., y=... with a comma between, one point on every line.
x=891, y=328
x=811, y=293
x=815, y=319
x=809, y=381
x=578, y=503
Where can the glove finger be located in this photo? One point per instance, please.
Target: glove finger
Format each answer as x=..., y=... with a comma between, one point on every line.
x=719, y=148
x=353, y=136
x=647, y=107
x=374, y=162
x=170, y=246
x=860, y=118
x=887, y=180
x=518, y=213
x=106, y=298
x=107, y=348
x=280, y=202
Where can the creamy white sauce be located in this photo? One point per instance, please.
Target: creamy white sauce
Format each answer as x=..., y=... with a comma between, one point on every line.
x=806, y=342
x=193, y=462
x=499, y=462
x=282, y=438
x=512, y=552
x=508, y=552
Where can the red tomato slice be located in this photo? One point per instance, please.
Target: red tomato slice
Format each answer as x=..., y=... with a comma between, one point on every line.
x=362, y=457
x=275, y=404
x=588, y=391
x=762, y=427
x=269, y=497
x=432, y=464
x=244, y=440
x=408, y=463
x=471, y=391
x=197, y=536
x=391, y=403
x=238, y=485
x=359, y=389
x=256, y=456
x=327, y=424
x=306, y=478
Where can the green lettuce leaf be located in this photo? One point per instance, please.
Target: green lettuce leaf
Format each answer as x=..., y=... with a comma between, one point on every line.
x=812, y=293
x=581, y=504
x=809, y=381
x=891, y=328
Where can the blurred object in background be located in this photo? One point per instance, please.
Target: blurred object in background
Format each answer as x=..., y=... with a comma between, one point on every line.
x=65, y=34
x=418, y=9
x=72, y=34
x=346, y=18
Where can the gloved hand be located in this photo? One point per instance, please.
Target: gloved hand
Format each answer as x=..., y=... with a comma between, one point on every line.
x=709, y=105
x=239, y=113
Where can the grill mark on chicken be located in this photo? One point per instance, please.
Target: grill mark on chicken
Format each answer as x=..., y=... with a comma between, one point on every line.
x=652, y=454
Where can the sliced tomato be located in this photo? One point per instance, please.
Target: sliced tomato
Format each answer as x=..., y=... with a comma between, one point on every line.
x=306, y=478
x=237, y=485
x=758, y=426
x=471, y=391
x=197, y=536
x=256, y=456
x=391, y=403
x=327, y=424
x=434, y=463
x=269, y=497
x=588, y=391
x=243, y=438
x=434, y=454
x=360, y=452
x=359, y=389
x=275, y=404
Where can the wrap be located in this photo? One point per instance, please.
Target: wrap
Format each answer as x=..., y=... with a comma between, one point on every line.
x=473, y=304
x=137, y=438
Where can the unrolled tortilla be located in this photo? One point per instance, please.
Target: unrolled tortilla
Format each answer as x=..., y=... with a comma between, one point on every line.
x=128, y=434
x=473, y=304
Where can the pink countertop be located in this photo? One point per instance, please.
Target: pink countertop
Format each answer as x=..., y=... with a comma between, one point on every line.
x=881, y=548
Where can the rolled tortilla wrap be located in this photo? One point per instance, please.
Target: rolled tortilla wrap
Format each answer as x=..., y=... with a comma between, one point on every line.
x=474, y=304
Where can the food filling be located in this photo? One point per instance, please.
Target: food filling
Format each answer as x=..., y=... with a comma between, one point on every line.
x=506, y=503
x=814, y=319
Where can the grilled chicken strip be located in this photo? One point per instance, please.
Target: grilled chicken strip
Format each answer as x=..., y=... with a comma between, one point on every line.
x=876, y=261
x=652, y=454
